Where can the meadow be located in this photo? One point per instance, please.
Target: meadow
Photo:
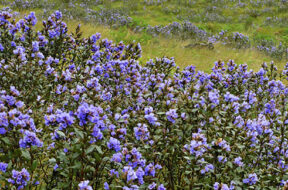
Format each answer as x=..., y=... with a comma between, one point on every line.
x=152, y=94
x=264, y=23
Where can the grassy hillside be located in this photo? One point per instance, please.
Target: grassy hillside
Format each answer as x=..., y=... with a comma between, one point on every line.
x=258, y=20
x=202, y=58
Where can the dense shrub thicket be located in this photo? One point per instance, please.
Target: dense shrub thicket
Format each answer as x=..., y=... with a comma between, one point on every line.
x=82, y=113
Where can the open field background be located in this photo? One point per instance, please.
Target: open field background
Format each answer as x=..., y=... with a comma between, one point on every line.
x=265, y=20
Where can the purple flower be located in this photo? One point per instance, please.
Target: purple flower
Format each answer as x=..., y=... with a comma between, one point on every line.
x=31, y=18
x=152, y=119
x=251, y=180
x=58, y=15
x=114, y=172
x=35, y=46
x=132, y=187
x=19, y=104
x=152, y=186
x=161, y=187
x=4, y=120
x=114, y=144
x=14, y=91
x=230, y=97
x=64, y=119
x=140, y=175
x=198, y=145
x=172, y=115
x=208, y=168
x=97, y=133
x=218, y=186
x=222, y=159
x=214, y=97
x=3, y=166
x=20, y=52
x=150, y=170
x=55, y=167
x=148, y=110
x=223, y=144
x=40, y=55
x=117, y=157
x=141, y=132
x=20, y=178
x=106, y=186
x=29, y=140
x=2, y=131
x=94, y=38
x=238, y=161
x=131, y=174
x=84, y=185
x=1, y=47
x=13, y=44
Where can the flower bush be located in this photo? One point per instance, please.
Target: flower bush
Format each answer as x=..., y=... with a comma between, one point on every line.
x=279, y=51
x=83, y=113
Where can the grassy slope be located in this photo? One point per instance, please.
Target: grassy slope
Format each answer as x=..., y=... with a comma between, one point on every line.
x=202, y=58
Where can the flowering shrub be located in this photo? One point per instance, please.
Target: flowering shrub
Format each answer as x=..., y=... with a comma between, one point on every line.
x=236, y=39
x=268, y=47
x=108, y=17
x=83, y=113
x=185, y=30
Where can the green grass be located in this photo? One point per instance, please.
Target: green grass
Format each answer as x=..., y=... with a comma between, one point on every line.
x=202, y=58
x=157, y=14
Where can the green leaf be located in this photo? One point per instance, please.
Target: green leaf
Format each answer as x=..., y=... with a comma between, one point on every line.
x=79, y=133
x=187, y=158
x=52, y=160
x=26, y=154
x=76, y=166
x=121, y=121
x=61, y=134
x=6, y=140
x=34, y=165
x=90, y=149
x=98, y=148
x=64, y=174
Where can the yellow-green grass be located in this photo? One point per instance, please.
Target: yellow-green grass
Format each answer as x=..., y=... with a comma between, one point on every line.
x=202, y=58
x=153, y=47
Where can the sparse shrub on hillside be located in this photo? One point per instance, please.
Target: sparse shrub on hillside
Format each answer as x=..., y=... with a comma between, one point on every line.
x=270, y=48
x=194, y=21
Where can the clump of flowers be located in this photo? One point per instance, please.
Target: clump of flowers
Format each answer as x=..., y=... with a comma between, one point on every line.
x=20, y=178
x=84, y=185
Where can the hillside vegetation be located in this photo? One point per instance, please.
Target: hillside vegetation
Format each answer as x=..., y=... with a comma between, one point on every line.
x=157, y=25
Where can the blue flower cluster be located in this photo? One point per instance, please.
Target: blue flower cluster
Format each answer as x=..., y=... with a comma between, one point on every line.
x=278, y=51
x=20, y=178
x=84, y=185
